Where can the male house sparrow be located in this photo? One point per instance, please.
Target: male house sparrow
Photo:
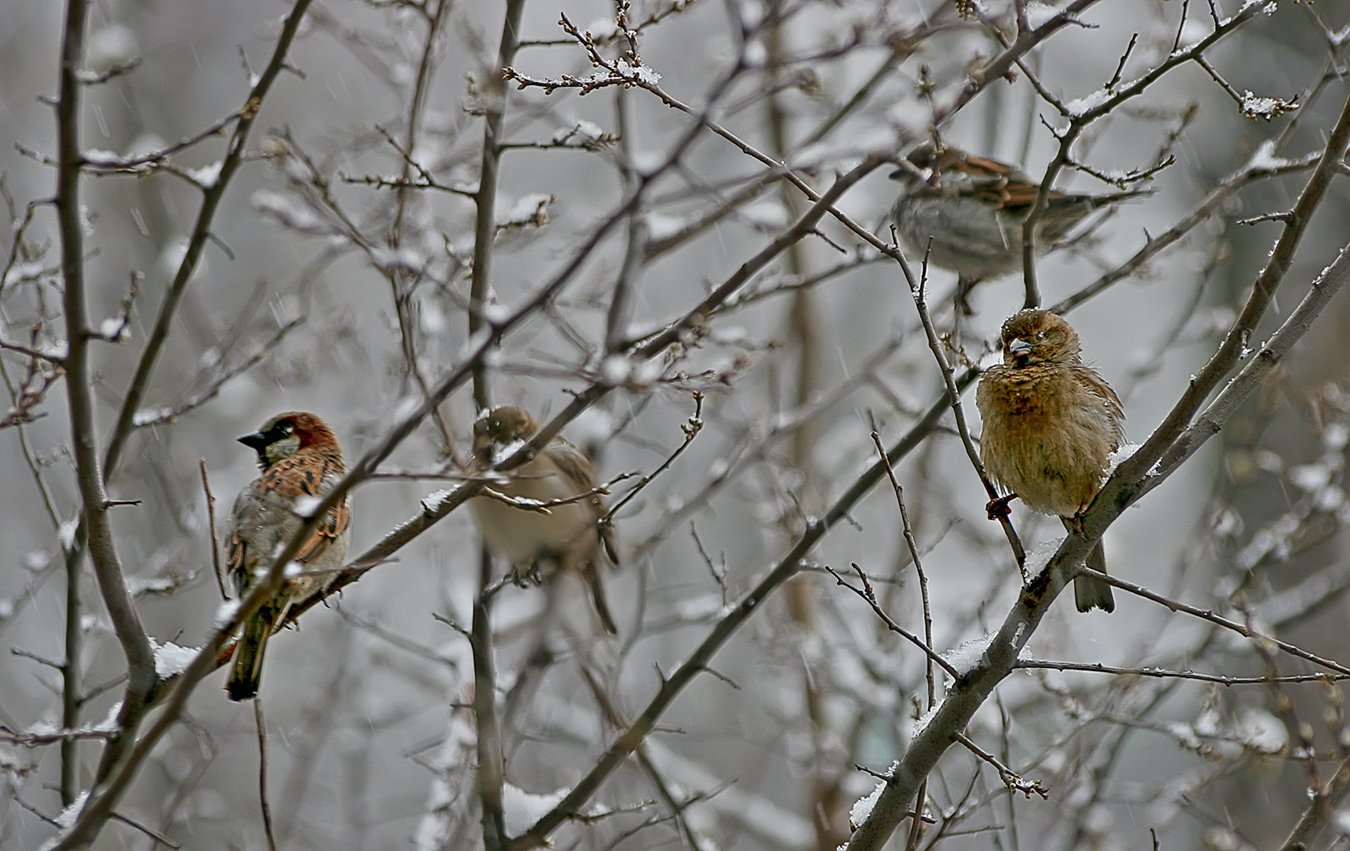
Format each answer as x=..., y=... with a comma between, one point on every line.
x=1050, y=425
x=973, y=209
x=300, y=458
x=569, y=535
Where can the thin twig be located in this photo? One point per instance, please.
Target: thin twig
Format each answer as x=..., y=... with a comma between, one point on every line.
x=1011, y=779
x=211, y=530
x=916, y=290
x=263, y=803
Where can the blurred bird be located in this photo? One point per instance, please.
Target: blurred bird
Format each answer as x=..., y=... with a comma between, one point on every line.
x=569, y=535
x=1050, y=425
x=300, y=460
x=973, y=208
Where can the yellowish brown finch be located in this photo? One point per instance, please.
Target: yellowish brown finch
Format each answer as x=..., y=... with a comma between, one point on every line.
x=300, y=460
x=1050, y=426
x=972, y=209
x=569, y=535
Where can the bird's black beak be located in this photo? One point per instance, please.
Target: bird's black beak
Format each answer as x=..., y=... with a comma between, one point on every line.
x=1016, y=347
x=257, y=440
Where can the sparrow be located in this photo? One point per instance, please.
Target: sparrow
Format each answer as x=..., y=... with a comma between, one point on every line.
x=300, y=458
x=972, y=208
x=1050, y=425
x=570, y=535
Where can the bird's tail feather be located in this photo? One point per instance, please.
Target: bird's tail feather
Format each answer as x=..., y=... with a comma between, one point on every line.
x=1089, y=592
x=246, y=672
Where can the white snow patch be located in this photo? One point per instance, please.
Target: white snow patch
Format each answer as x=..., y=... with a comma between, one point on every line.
x=1256, y=106
x=1310, y=477
x=110, y=47
x=66, y=532
x=661, y=226
x=495, y=313
x=529, y=209
x=522, y=809
x=1038, y=14
x=21, y=272
x=288, y=211
x=615, y=369
x=114, y=330
x=1336, y=436
x=172, y=659
x=1258, y=730
x=150, y=416
x=637, y=73
x=43, y=728
x=501, y=453
x=1039, y=556
x=305, y=506
x=109, y=722
x=137, y=585
x=432, y=318
x=1122, y=453
x=432, y=502
x=769, y=215
x=924, y=720
x=580, y=133
x=403, y=257
x=1185, y=734
x=66, y=819
x=225, y=613
x=705, y=607
x=647, y=373
x=206, y=176
x=102, y=158
x=1091, y=101
x=175, y=250
x=862, y=808
x=754, y=54
x=965, y=656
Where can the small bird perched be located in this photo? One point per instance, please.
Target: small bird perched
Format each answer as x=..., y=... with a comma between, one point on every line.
x=569, y=535
x=972, y=208
x=300, y=460
x=1050, y=426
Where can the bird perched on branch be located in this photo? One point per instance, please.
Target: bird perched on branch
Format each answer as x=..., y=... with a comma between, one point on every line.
x=301, y=461
x=1050, y=426
x=972, y=209
x=569, y=534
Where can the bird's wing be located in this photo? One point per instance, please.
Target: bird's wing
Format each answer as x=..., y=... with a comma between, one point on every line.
x=579, y=471
x=311, y=475
x=575, y=466
x=236, y=548
x=1094, y=383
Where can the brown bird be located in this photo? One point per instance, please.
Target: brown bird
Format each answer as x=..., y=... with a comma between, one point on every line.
x=300, y=460
x=569, y=535
x=1050, y=425
x=972, y=209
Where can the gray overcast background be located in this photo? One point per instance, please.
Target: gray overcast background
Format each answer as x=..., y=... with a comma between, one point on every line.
x=358, y=713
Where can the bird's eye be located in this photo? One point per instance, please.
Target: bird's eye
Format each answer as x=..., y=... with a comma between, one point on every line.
x=287, y=426
x=1040, y=335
